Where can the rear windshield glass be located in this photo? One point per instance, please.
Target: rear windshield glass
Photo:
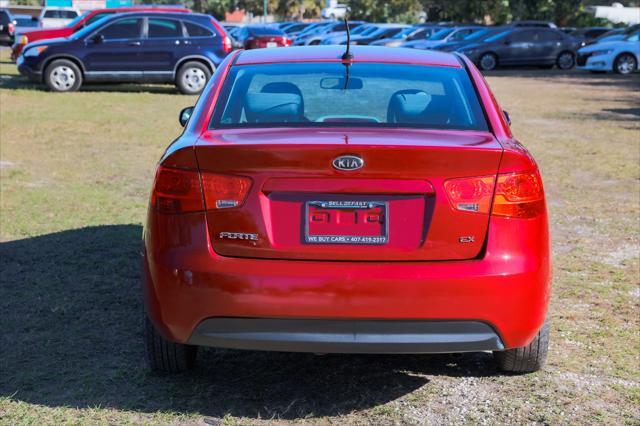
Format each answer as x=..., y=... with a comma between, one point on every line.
x=60, y=14
x=371, y=95
x=263, y=31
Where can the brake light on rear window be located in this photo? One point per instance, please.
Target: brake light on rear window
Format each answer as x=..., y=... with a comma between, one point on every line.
x=176, y=191
x=519, y=195
x=224, y=191
x=471, y=194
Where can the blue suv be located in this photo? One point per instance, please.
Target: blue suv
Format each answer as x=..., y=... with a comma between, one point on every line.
x=147, y=47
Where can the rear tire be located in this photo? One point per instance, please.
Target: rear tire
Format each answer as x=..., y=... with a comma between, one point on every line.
x=527, y=359
x=163, y=355
x=625, y=64
x=192, y=77
x=63, y=75
x=488, y=62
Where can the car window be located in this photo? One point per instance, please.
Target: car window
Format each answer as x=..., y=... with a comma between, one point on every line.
x=549, y=36
x=123, y=29
x=4, y=17
x=197, y=30
x=441, y=35
x=633, y=37
x=164, y=28
x=459, y=35
x=60, y=14
x=522, y=36
x=377, y=95
x=97, y=17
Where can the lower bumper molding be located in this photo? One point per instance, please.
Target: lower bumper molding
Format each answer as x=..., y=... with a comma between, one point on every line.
x=346, y=336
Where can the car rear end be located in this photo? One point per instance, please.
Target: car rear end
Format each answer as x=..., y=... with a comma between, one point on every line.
x=370, y=207
x=7, y=27
x=266, y=37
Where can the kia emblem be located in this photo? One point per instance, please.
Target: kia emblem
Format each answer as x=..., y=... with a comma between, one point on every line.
x=348, y=162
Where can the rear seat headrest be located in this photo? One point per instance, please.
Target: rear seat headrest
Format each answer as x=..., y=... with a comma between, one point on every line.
x=273, y=107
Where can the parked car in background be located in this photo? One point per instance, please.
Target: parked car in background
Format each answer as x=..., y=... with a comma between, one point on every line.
x=383, y=31
x=261, y=36
x=339, y=11
x=304, y=210
x=7, y=27
x=330, y=30
x=415, y=34
x=542, y=47
x=445, y=35
x=295, y=27
x=182, y=48
x=475, y=37
x=535, y=24
x=590, y=33
x=621, y=57
x=338, y=37
x=617, y=34
x=54, y=17
x=396, y=39
x=82, y=21
x=25, y=23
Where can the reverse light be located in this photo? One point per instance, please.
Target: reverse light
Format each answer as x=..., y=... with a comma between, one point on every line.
x=471, y=194
x=518, y=195
x=176, y=191
x=224, y=191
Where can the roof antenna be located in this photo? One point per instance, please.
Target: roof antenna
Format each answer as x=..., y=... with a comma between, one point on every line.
x=348, y=56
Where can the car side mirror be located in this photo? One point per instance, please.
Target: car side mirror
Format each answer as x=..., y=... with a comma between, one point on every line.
x=506, y=117
x=97, y=39
x=185, y=115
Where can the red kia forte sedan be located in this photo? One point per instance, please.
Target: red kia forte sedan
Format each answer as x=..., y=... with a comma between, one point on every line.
x=371, y=202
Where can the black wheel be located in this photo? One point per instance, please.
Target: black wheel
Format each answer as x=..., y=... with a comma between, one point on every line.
x=163, y=355
x=526, y=359
x=63, y=75
x=192, y=77
x=566, y=60
x=625, y=63
x=488, y=62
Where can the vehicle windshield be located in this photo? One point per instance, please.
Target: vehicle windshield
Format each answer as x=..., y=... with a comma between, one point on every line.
x=440, y=35
x=476, y=35
x=404, y=33
x=265, y=31
x=90, y=28
x=367, y=30
x=371, y=95
x=497, y=36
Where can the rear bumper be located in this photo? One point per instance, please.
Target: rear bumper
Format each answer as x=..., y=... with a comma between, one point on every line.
x=346, y=336
x=192, y=294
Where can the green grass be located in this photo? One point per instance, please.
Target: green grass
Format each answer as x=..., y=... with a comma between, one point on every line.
x=75, y=173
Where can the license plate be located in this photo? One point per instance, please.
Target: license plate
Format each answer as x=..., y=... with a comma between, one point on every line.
x=346, y=222
x=272, y=44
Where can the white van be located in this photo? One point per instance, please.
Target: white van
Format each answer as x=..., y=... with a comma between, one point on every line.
x=52, y=17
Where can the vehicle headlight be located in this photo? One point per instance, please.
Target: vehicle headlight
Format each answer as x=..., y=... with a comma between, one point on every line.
x=35, y=51
x=602, y=52
x=24, y=39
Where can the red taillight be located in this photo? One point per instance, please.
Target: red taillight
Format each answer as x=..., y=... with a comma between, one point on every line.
x=224, y=191
x=226, y=45
x=10, y=27
x=519, y=195
x=177, y=191
x=471, y=194
x=287, y=41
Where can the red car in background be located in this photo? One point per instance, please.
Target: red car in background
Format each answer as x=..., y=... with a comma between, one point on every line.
x=261, y=36
x=81, y=22
x=367, y=203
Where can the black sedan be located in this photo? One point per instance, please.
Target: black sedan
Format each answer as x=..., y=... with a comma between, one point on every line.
x=542, y=47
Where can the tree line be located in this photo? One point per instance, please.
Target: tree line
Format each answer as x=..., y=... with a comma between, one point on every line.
x=562, y=12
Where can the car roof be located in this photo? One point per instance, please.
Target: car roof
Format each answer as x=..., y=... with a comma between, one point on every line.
x=360, y=54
